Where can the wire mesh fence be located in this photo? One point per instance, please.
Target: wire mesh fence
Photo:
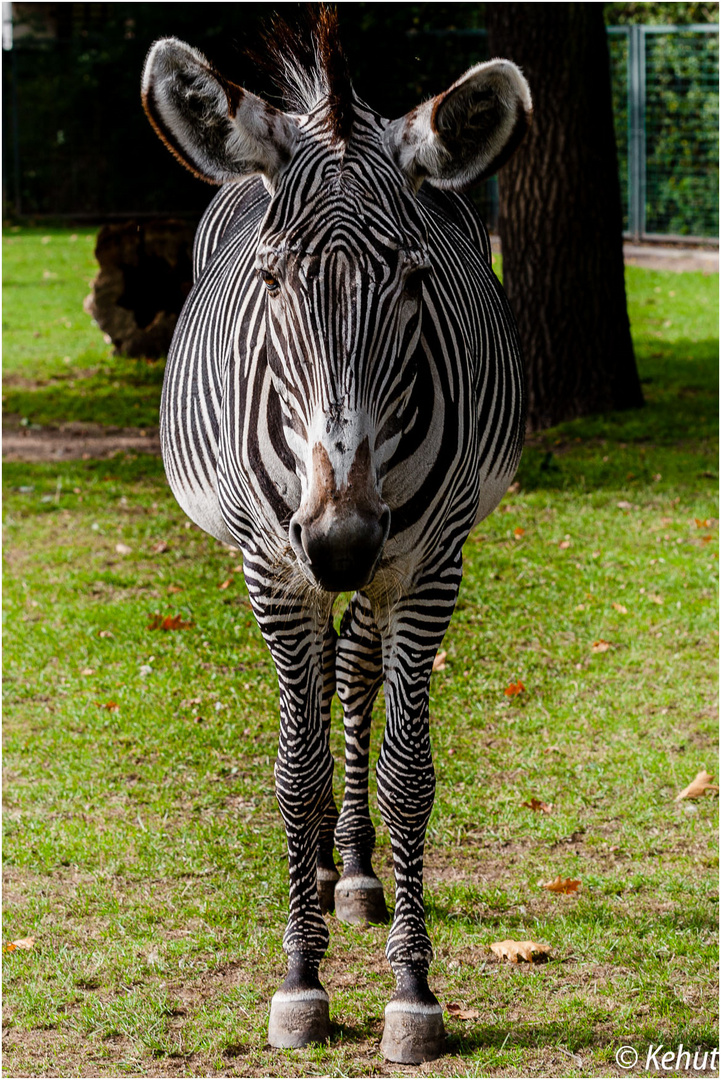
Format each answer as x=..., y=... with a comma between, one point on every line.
x=666, y=113
x=93, y=154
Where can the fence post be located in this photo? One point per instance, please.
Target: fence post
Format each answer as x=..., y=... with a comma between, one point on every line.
x=637, y=131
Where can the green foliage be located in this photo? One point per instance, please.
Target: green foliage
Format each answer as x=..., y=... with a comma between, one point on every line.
x=660, y=14
x=681, y=129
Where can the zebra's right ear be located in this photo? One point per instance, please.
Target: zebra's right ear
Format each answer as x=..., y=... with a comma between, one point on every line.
x=216, y=129
x=467, y=133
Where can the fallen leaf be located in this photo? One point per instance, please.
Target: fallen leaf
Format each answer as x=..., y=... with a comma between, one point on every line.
x=518, y=532
x=174, y=588
x=514, y=488
x=706, y=539
x=170, y=622
x=106, y=633
x=701, y=523
x=698, y=787
x=519, y=950
x=539, y=807
x=514, y=688
x=160, y=547
x=111, y=706
x=552, y=749
x=624, y=505
x=226, y=584
x=9, y=947
x=88, y=671
x=439, y=663
x=462, y=1014
x=238, y=569
x=564, y=544
x=565, y=885
x=601, y=646
x=620, y=609
x=655, y=598
x=23, y=943
x=123, y=549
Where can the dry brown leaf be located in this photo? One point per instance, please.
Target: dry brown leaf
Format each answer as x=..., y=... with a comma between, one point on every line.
x=552, y=749
x=620, y=609
x=106, y=633
x=111, y=706
x=23, y=943
x=226, y=584
x=518, y=532
x=601, y=646
x=698, y=787
x=174, y=588
x=655, y=598
x=88, y=671
x=123, y=549
x=462, y=1014
x=519, y=950
x=514, y=688
x=561, y=885
x=564, y=545
x=439, y=663
x=539, y=807
x=170, y=622
x=701, y=523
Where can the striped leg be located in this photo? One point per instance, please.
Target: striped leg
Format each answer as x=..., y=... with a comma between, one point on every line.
x=406, y=788
x=327, y=872
x=296, y=636
x=359, y=673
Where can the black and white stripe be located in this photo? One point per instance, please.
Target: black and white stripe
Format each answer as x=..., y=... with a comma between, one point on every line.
x=385, y=343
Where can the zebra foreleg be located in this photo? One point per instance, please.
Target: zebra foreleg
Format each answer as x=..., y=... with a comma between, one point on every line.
x=359, y=672
x=296, y=637
x=406, y=788
x=326, y=868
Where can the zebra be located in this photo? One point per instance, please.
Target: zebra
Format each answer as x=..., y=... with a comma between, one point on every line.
x=343, y=401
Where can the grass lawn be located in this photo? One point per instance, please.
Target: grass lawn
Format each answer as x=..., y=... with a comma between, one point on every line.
x=143, y=849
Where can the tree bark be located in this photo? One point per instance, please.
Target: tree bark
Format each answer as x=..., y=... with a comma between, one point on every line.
x=145, y=275
x=561, y=222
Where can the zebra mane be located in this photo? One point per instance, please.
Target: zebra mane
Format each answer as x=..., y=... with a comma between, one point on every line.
x=308, y=66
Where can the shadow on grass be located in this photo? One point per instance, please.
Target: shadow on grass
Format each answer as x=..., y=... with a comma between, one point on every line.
x=598, y=1035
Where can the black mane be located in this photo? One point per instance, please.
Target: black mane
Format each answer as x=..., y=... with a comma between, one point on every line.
x=307, y=64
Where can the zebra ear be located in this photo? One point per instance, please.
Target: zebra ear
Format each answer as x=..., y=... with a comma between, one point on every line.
x=216, y=129
x=466, y=133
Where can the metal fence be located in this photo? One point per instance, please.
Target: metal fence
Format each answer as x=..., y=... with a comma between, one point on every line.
x=666, y=111
x=72, y=161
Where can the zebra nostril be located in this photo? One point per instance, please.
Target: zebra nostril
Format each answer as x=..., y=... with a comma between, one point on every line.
x=385, y=524
x=295, y=535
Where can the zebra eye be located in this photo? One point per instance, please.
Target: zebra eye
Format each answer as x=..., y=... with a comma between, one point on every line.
x=271, y=283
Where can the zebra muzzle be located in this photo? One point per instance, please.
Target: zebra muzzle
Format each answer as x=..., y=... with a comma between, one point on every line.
x=340, y=551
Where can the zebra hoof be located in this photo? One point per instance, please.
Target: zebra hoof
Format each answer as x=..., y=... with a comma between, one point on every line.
x=298, y=1019
x=413, y=1033
x=326, y=888
x=359, y=899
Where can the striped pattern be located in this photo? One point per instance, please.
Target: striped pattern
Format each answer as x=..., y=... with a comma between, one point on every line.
x=390, y=320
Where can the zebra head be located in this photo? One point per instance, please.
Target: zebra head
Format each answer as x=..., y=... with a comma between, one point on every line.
x=341, y=256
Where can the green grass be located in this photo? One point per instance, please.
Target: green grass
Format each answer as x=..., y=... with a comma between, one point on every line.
x=57, y=366
x=143, y=848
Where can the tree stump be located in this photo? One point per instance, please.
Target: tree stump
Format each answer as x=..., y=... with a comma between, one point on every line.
x=146, y=271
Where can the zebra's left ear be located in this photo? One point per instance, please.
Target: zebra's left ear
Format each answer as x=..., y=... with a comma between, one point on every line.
x=467, y=133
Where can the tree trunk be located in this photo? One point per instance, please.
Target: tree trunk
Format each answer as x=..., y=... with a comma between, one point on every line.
x=145, y=275
x=561, y=222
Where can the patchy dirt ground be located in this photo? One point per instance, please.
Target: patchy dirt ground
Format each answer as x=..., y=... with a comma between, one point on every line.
x=73, y=441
